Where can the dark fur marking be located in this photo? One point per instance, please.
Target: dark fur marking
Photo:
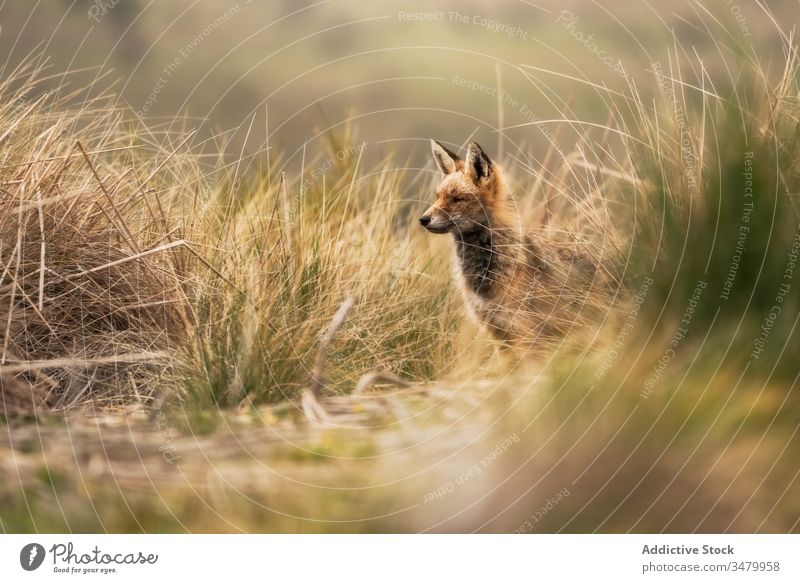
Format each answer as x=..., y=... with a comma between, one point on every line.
x=477, y=257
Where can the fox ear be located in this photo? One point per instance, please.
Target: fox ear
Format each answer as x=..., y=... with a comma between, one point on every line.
x=445, y=159
x=477, y=165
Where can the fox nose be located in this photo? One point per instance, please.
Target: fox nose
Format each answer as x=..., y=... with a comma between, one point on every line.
x=425, y=220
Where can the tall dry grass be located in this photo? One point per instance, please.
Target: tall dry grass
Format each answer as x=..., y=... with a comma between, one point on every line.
x=93, y=303
x=134, y=270
x=289, y=259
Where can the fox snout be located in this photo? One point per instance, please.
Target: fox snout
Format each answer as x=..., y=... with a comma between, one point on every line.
x=435, y=221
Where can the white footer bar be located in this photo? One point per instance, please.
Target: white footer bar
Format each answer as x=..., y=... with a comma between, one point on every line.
x=406, y=558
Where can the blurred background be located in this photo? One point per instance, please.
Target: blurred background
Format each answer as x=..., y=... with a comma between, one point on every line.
x=293, y=74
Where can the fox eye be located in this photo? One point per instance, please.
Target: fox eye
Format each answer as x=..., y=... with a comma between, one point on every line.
x=458, y=198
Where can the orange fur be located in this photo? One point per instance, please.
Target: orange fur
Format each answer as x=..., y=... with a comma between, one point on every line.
x=526, y=289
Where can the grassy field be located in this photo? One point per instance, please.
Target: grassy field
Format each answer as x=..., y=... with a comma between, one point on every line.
x=163, y=320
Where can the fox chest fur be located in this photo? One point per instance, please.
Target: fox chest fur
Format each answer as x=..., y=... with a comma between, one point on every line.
x=499, y=275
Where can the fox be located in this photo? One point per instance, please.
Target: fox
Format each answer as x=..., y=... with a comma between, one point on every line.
x=527, y=290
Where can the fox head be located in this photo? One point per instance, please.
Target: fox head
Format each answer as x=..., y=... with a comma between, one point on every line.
x=469, y=193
